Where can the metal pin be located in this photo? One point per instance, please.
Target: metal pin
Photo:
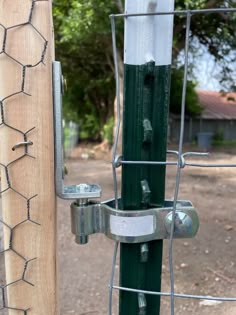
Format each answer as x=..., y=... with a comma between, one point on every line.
x=142, y=304
x=82, y=201
x=82, y=238
x=20, y=144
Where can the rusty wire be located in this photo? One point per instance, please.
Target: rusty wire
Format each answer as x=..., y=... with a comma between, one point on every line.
x=6, y=168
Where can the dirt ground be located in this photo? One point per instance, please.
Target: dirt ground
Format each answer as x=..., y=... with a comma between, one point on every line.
x=204, y=265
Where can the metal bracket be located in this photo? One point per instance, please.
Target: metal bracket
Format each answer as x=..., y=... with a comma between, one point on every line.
x=82, y=191
x=133, y=226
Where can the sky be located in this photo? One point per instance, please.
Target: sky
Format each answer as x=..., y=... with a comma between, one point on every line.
x=206, y=71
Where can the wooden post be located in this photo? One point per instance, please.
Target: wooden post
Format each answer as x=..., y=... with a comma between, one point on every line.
x=28, y=205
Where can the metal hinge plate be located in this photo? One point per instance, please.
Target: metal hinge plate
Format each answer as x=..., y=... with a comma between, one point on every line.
x=82, y=191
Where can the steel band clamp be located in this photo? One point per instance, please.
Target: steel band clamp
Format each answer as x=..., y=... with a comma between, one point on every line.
x=133, y=226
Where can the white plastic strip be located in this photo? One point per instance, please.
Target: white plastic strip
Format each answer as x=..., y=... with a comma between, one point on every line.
x=148, y=38
x=132, y=226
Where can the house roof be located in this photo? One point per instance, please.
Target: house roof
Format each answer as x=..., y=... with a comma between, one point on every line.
x=216, y=105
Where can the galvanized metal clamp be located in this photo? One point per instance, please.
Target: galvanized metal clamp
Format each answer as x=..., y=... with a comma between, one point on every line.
x=133, y=226
x=82, y=191
x=87, y=217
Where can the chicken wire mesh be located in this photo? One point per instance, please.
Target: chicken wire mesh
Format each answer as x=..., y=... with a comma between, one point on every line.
x=180, y=163
x=8, y=241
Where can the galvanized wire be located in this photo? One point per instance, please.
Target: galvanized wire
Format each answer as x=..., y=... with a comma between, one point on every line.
x=183, y=296
x=179, y=166
x=178, y=12
x=114, y=153
x=181, y=162
x=26, y=142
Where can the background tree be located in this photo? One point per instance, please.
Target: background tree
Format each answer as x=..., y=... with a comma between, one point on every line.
x=83, y=44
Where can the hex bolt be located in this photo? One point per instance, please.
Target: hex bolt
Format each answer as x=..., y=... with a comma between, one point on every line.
x=183, y=223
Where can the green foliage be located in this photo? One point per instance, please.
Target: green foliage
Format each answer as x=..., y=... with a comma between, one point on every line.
x=90, y=128
x=107, y=132
x=215, y=31
x=193, y=107
x=218, y=136
x=83, y=45
x=225, y=144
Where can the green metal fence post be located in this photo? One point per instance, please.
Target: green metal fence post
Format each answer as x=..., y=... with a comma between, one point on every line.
x=148, y=48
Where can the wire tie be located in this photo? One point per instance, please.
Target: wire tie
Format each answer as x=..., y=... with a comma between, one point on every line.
x=20, y=144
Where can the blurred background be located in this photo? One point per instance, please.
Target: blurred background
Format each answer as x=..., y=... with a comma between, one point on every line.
x=84, y=46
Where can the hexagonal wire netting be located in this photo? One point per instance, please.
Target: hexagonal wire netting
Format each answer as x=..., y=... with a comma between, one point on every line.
x=6, y=184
